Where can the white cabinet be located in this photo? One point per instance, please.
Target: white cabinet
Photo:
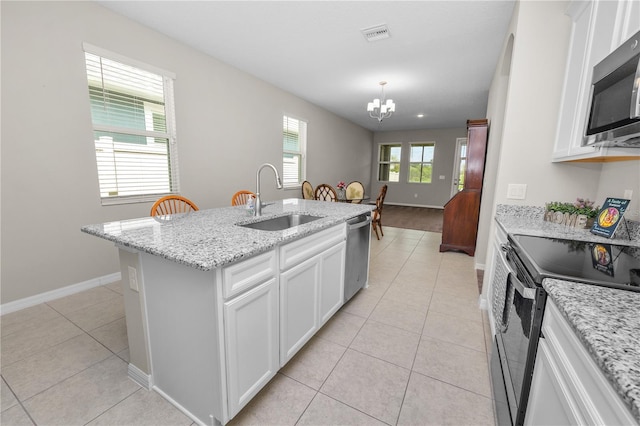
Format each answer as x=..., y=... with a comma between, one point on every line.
x=549, y=400
x=568, y=387
x=598, y=27
x=629, y=23
x=250, y=312
x=310, y=291
x=251, y=343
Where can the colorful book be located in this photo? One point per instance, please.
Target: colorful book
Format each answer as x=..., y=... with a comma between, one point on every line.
x=609, y=217
x=602, y=259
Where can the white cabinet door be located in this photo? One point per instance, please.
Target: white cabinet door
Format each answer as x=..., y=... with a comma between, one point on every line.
x=573, y=103
x=251, y=343
x=550, y=402
x=629, y=22
x=331, y=281
x=568, y=387
x=299, y=287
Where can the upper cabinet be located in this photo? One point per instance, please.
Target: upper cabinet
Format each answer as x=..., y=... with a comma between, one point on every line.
x=598, y=28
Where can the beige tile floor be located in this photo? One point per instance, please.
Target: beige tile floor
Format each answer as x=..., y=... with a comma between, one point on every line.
x=409, y=350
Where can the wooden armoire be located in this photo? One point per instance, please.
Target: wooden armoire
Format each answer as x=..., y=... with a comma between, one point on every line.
x=462, y=211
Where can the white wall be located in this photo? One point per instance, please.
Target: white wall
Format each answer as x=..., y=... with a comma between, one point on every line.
x=541, y=32
x=228, y=123
x=615, y=178
x=434, y=194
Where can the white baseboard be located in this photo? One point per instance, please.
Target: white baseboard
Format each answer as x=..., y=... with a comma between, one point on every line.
x=186, y=412
x=413, y=205
x=27, y=302
x=139, y=376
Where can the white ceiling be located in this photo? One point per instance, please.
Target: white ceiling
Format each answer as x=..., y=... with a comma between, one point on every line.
x=439, y=60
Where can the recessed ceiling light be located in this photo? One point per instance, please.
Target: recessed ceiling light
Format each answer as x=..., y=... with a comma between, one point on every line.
x=420, y=115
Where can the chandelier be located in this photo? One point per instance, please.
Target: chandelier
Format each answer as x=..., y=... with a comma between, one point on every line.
x=381, y=108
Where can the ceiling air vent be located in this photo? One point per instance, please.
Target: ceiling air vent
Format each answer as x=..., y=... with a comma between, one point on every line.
x=379, y=32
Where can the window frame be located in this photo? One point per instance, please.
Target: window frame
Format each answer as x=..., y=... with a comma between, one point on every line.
x=303, y=131
x=422, y=163
x=389, y=162
x=170, y=133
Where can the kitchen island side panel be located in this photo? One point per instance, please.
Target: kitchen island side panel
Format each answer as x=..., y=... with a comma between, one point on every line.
x=185, y=335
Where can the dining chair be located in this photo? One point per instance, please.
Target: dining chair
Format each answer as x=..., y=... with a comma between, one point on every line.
x=355, y=192
x=325, y=192
x=307, y=191
x=172, y=204
x=376, y=219
x=240, y=198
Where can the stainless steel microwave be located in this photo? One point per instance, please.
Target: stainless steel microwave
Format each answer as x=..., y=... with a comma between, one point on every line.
x=614, y=103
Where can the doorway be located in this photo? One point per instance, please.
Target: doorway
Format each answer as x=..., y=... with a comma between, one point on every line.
x=459, y=166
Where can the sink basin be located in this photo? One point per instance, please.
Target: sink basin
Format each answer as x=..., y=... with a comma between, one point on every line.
x=282, y=222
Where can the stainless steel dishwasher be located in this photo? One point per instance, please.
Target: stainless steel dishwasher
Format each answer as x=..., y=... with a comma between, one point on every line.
x=356, y=271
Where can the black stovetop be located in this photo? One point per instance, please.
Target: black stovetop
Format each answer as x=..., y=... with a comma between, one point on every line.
x=603, y=264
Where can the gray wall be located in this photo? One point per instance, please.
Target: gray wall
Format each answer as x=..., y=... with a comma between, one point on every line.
x=228, y=123
x=434, y=194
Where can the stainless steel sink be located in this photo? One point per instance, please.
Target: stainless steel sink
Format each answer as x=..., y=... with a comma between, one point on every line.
x=282, y=222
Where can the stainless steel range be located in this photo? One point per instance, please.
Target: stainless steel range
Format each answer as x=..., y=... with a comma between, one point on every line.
x=519, y=301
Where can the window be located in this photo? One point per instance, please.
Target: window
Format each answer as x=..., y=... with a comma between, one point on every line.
x=389, y=162
x=133, y=127
x=421, y=162
x=294, y=143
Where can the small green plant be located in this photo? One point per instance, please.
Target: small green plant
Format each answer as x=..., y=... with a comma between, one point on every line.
x=581, y=206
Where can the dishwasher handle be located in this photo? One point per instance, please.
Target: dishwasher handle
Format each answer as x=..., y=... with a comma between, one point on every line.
x=358, y=222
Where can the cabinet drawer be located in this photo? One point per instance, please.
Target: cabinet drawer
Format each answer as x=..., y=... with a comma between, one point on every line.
x=243, y=275
x=297, y=251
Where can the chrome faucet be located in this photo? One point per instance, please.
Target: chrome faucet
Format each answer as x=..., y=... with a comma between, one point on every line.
x=258, y=208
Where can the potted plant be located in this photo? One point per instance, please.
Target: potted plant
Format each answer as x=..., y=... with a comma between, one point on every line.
x=580, y=214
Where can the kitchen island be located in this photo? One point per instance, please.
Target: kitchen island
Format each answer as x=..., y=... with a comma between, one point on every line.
x=214, y=308
x=603, y=320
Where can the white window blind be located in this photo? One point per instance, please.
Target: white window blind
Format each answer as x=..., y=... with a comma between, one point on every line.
x=133, y=124
x=294, y=135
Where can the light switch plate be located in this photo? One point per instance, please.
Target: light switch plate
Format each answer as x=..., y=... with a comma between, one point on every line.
x=628, y=193
x=516, y=191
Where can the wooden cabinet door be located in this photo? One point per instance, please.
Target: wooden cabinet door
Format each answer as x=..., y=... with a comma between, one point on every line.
x=251, y=343
x=476, y=153
x=299, y=287
x=462, y=211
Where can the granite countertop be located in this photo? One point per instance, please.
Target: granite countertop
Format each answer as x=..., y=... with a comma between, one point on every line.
x=208, y=239
x=607, y=323
x=606, y=320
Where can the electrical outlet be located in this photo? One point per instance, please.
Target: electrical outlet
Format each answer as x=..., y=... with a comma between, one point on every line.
x=415, y=195
x=516, y=191
x=133, y=278
x=628, y=193
x=441, y=177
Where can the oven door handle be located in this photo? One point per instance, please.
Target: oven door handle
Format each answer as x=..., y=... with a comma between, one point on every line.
x=525, y=292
